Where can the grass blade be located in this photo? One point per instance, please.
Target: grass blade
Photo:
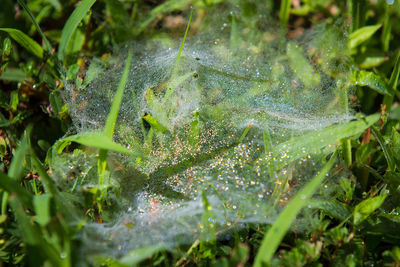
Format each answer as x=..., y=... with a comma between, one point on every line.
x=71, y=24
x=278, y=230
x=284, y=13
x=361, y=35
x=96, y=140
x=178, y=57
x=386, y=150
x=370, y=79
x=394, y=78
x=312, y=142
x=112, y=120
x=25, y=41
x=116, y=103
x=33, y=19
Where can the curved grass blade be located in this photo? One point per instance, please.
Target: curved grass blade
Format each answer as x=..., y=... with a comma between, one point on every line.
x=278, y=230
x=71, y=24
x=394, y=78
x=33, y=19
x=370, y=79
x=25, y=41
x=97, y=140
x=361, y=35
x=386, y=150
x=178, y=57
x=116, y=103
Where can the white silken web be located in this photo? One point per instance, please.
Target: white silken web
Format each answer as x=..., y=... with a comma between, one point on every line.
x=196, y=162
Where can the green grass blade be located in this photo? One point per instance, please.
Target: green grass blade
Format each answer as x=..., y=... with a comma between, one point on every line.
x=33, y=19
x=112, y=120
x=71, y=24
x=370, y=79
x=278, y=230
x=366, y=207
x=386, y=150
x=387, y=28
x=178, y=57
x=116, y=103
x=313, y=142
x=14, y=75
x=48, y=183
x=18, y=162
x=361, y=35
x=394, y=78
x=284, y=13
x=25, y=41
x=96, y=140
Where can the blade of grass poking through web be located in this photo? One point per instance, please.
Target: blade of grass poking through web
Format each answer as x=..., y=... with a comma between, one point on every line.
x=178, y=57
x=284, y=13
x=25, y=41
x=112, y=119
x=394, y=78
x=71, y=24
x=33, y=19
x=278, y=230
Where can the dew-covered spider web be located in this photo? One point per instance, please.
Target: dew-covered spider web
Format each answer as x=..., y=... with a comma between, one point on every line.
x=211, y=126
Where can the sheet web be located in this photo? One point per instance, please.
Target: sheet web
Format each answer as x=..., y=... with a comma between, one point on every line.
x=216, y=119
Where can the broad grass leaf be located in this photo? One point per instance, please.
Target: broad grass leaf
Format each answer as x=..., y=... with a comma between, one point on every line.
x=13, y=75
x=370, y=79
x=98, y=140
x=71, y=24
x=41, y=204
x=314, y=141
x=278, y=230
x=155, y=124
x=361, y=35
x=25, y=41
x=333, y=208
x=366, y=207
